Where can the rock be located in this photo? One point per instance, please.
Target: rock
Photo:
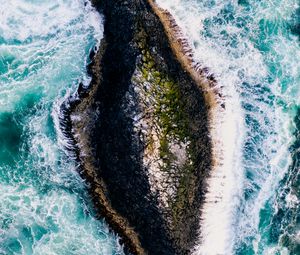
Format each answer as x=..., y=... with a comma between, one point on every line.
x=147, y=150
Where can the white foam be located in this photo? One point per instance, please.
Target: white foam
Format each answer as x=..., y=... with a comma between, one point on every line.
x=24, y=19
x=57, y=228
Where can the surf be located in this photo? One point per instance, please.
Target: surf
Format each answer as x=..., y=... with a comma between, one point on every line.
x=44, y=207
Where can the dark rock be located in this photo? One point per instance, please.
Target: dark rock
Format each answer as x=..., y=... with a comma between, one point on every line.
x=113, y=160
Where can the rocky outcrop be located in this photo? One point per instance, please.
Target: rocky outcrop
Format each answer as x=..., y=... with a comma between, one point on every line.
x=141, y=129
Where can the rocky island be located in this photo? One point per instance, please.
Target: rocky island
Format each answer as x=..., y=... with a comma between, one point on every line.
x=141, y=129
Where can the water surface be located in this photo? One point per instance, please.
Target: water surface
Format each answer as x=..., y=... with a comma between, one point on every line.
x=44, y=207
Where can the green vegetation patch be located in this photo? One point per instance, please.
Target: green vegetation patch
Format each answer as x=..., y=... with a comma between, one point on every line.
x=169, y=113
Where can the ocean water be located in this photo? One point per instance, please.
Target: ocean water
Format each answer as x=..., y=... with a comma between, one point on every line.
x=253, y=49
x=44, y=207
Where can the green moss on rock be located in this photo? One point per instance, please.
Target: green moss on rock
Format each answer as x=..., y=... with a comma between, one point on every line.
x=170, y=115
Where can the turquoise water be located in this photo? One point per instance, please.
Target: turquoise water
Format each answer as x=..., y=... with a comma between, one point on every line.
x=44, y=207
x=253, y=49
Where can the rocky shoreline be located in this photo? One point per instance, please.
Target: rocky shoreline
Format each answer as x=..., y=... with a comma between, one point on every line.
x=141, y=131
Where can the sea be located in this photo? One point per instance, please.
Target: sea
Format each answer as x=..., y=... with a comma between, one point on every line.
x=44, y=205
x=253, y=50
